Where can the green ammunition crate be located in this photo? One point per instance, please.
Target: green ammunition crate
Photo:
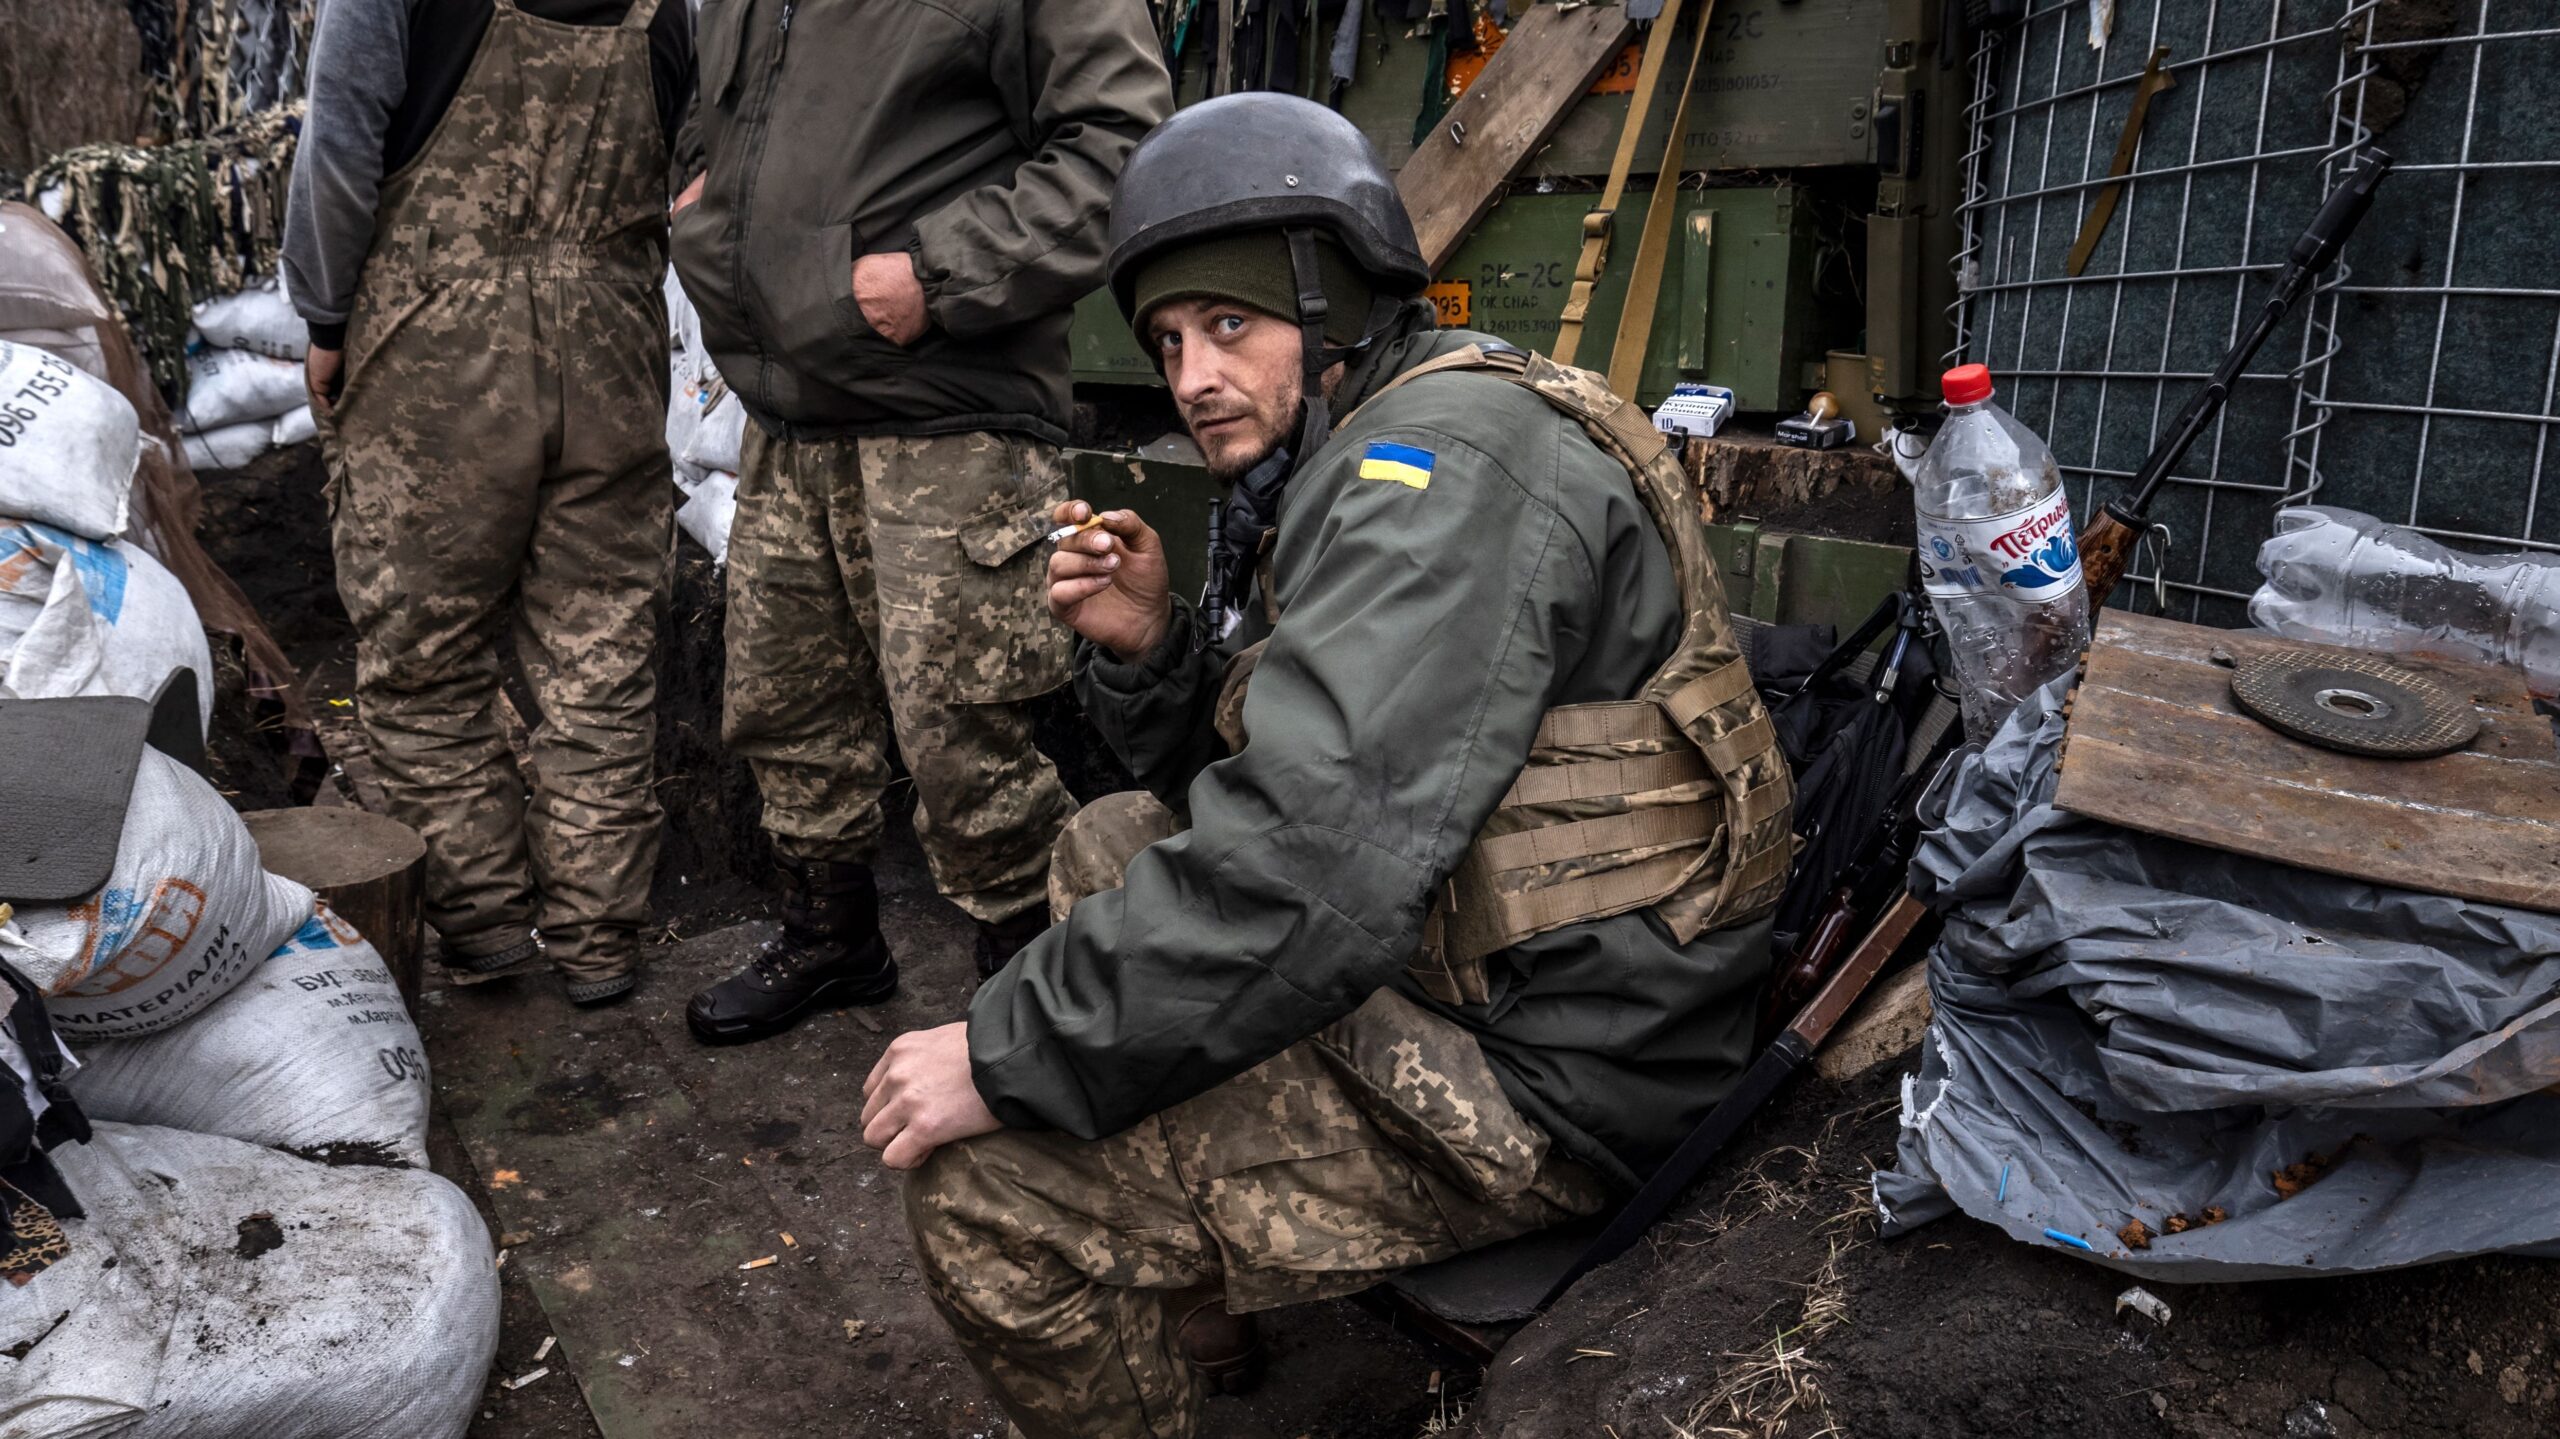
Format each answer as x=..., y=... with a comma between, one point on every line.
x=1736, y=307
x=1783, y=82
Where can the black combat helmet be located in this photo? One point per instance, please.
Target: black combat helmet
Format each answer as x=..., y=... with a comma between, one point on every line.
x=1265, y=161
x=1261, y=161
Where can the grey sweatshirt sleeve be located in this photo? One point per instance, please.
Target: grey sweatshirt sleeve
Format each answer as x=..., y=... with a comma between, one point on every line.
x=359, y=71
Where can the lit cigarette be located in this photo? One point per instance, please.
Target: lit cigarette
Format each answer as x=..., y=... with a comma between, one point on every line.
x=1067, y=532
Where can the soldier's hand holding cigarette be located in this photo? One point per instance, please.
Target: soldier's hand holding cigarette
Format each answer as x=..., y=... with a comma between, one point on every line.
x=1107, y=579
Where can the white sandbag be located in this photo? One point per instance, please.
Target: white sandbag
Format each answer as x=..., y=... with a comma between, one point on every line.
x=185, y=916
x=259, y=319
x=706, y=425
x=217, y=1290
x=296, y=426
x=226, y=387
x=314, y=1053
x=230, y=447
x=722, y=432
x=68, y=445
x=78, y=617
x=708, y=509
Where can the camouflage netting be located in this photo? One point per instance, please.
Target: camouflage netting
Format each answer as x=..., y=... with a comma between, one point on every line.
x=170, y=225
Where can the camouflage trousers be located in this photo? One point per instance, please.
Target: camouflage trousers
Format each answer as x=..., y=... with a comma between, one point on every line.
x=898, y=585
x=496, y=461
x=1063, y=1264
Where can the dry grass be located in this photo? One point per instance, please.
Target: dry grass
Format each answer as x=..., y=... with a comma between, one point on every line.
x=1775, y=1391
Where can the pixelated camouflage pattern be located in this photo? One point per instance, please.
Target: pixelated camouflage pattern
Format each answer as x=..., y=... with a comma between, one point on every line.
x=1382, y=1143
x=495, y=456
x=897, y=584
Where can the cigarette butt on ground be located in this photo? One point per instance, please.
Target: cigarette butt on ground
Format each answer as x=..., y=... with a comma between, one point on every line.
x=788, y=1242
x=545, y=1351
x=1066, y=532
x=769, y=1259
x=522, y=1380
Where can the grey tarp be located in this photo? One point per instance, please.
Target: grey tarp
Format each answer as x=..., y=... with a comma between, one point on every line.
x=2132, y=1027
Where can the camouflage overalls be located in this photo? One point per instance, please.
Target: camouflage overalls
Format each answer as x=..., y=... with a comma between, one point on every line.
x=1381, y=1143
x=496, y=450
x=898, y=582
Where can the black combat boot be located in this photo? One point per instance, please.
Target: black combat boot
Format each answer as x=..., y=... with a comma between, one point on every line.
x=830, y=954
x=1000, y=940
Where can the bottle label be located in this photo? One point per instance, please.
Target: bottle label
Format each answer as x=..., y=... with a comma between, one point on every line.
x=2029, y=554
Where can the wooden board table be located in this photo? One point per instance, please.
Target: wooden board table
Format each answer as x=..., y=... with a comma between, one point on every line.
x=2156, y=743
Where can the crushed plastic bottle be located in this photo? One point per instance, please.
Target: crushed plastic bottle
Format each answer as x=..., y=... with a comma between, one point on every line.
x=1998, y=555
x=2344, y=578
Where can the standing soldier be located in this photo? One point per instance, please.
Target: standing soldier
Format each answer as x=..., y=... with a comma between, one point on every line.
x=477, y=236
x=900, y=204
x=1462, y=923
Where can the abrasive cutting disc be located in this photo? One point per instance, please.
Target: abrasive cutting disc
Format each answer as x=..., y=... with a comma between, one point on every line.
x=2356, y=704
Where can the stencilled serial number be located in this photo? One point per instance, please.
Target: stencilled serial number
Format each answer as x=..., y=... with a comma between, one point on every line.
x=50, y=382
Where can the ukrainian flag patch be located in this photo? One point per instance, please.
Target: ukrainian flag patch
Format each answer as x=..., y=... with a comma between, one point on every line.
x=1403, y=464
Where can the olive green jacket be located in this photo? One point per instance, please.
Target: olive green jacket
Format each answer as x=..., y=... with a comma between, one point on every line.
x=980, y=138
x=1425, y=632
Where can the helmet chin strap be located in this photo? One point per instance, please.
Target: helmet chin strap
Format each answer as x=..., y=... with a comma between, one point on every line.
x=1315, y=420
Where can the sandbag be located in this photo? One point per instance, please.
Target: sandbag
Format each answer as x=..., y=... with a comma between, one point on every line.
x=709, y=506
x=184, y=917
x=260, y=320
x=2312, y=1074
x=82, y=617
x=68, y=445
x=314, y=1053
x=231, y=447
x=295, y=426
x=706, y=426
x=217, y=1290
x=226, y=387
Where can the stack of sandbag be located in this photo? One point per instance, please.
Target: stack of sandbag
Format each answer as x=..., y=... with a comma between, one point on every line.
x=2190, y=1064
x=706, y=427
x=82, y=611
x=187, y=913
x=314, y=1052
x=245, y=391
x=251, y=1248
x=218, y=1290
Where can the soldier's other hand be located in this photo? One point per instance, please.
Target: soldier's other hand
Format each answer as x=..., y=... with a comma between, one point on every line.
x=322, y=371
x=891, y=297
x=921, y=1096
x=1109, y=583
x=690, y=193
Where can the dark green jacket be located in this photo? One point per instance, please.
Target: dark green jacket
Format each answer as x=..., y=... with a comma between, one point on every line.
x=1424, y=633
x=979, y=137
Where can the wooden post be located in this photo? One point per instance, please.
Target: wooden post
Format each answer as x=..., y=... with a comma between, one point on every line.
x=371, y=870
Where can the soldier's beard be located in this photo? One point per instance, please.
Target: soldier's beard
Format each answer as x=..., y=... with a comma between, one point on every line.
x=1234, y=439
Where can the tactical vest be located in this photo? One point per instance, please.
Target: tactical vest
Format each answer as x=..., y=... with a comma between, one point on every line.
x=1677, y=800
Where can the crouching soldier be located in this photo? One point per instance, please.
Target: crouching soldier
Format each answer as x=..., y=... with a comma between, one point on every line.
x=1444, y=916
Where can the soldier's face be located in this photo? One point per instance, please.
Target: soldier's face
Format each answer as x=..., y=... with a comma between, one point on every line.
x=1235, y=375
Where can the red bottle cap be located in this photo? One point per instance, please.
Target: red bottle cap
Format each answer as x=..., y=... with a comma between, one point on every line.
x=1966, y=384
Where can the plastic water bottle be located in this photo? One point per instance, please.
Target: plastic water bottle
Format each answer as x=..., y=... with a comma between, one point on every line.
x=2343, y=578
x=1998, y=555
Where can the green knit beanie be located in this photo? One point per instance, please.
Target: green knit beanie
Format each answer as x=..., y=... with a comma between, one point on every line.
x=1253, y=269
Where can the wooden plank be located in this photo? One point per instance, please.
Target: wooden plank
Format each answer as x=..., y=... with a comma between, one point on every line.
x=1456, y=174
x=2156, y=743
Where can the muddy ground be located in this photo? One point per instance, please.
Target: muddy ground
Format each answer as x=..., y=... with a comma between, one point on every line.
x=632, y=1171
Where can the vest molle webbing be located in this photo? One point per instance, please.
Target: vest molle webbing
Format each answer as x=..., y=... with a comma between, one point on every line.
x=1677, y=799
